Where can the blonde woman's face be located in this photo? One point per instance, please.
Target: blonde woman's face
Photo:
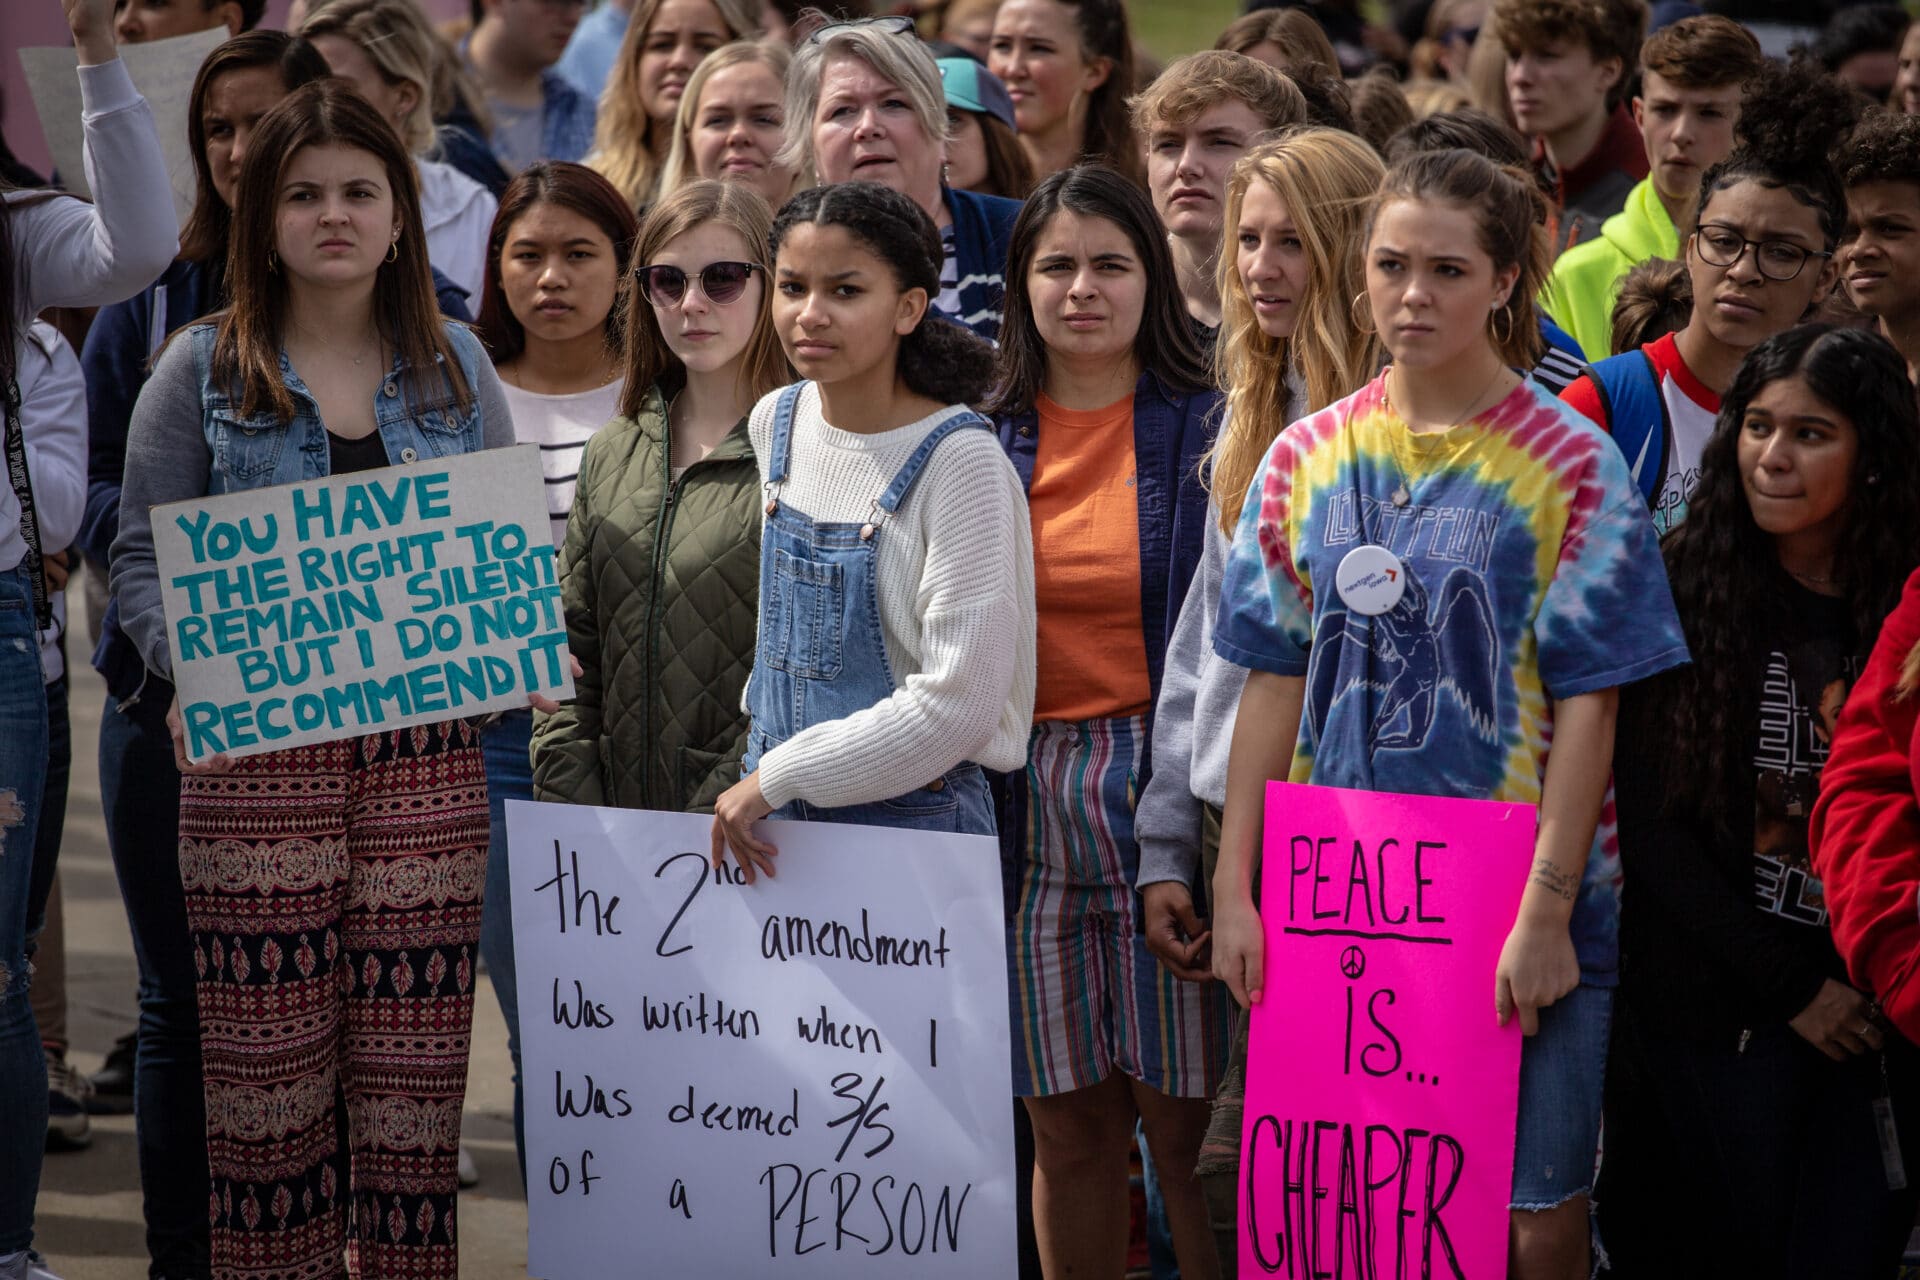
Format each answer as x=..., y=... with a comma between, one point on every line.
x=681, y=34
x=1270, y=260
x=736, y=130
x=704, y=335
x=346, y=59
x=866, y=130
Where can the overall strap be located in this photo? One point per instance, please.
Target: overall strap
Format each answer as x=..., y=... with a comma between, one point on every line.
x=903, y=480
x=782, y=433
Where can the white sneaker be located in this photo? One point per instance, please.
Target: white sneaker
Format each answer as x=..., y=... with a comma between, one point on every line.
x=26, y=1265
x=469, y=1172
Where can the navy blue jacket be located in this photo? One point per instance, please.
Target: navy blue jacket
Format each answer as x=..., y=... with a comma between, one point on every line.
x=1172, y=431
x=982, y=230
x=116, y=359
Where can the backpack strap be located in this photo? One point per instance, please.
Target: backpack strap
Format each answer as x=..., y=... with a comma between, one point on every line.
x=1636, y=416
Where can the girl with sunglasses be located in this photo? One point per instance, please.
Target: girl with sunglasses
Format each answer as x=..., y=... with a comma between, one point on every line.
x=896, y=638
x=1760, y=259
x=663, y=547
x=556, y=256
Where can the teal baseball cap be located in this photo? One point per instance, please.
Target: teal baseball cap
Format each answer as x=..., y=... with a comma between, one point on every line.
x=971, y=87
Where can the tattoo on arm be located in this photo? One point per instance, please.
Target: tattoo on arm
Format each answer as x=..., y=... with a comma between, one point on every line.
x=1554, y=880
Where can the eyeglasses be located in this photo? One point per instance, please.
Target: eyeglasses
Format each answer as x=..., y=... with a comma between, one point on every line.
x=1781, y=260
x=893, y=25
x=722, y=282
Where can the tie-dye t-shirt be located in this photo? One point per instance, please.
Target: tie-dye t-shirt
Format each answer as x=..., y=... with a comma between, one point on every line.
x=1532, y=574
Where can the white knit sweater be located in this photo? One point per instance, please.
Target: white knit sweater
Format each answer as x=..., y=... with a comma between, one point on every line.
x=955, y=585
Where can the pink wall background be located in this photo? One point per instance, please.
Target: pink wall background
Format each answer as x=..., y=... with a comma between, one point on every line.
x=28, y=24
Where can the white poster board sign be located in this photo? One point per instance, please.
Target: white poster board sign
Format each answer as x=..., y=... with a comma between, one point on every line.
x=807, y=1076
x=361, y=602
x=162, y=70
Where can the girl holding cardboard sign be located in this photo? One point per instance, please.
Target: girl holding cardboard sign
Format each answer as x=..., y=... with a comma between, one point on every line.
x=895, y=647
x=1388, y=656
x=321, y=964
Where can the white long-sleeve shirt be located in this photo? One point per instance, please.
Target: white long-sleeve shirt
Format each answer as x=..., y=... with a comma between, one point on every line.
x=68, y=253
x=954, y=577
x=53, y=421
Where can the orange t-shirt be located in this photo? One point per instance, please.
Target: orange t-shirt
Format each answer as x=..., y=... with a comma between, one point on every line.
x=1091, y=658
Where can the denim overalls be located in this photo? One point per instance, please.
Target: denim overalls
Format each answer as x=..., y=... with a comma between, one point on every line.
x=821, y=654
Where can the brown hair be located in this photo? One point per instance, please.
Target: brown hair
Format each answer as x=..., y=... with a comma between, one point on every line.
x=569, y=186
x=733, y=205
x=1009, y=167
x=1510, y=215
x=1608, y=29
x=1303, y=42
x=1201, y=80
x=1655, y=299
x=1106, y=33
x=246, y=350
x=210, y=225
x=1705, y=52
x=1380, y=109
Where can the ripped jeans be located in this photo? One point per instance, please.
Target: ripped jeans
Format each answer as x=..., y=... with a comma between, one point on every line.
x=23, y=768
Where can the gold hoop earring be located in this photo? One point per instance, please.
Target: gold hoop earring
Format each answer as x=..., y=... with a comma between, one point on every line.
x=1493, y=327
x=393, y=251
x=1355, y=310
x=273, y=262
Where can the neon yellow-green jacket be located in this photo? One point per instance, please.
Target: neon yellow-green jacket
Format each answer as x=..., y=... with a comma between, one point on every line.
x=1580, y=293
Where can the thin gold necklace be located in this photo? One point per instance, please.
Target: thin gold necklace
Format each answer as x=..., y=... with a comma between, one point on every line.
x=357, y=360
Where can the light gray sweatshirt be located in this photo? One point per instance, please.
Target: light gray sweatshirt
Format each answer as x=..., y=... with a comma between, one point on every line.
x=1193, y=721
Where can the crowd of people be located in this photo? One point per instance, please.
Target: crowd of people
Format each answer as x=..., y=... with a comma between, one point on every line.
x=958, y=421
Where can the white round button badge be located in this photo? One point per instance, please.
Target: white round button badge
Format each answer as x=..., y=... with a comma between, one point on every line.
x=1370, y=580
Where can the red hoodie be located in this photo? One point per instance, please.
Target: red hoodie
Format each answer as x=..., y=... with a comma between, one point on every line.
x=1866, y=826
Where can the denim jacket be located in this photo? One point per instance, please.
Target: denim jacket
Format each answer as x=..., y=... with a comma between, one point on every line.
x=189, y=439
x=260, y=450
x=1172, y=431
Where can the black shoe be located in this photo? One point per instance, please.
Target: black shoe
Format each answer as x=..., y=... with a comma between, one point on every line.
x=113, y=1082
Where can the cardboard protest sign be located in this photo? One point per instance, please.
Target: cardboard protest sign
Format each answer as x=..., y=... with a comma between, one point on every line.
x=1381, y=1092
x=162, y=70
x=808, y=1076
x=361, y=602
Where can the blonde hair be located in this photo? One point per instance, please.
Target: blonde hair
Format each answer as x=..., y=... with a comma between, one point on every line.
x=701, y=203
x=1200, y=81
x=623, y=142
x=405, y=50
x=1327, y=178
x=1432, y=97
x=902, y=59
x=679, y=167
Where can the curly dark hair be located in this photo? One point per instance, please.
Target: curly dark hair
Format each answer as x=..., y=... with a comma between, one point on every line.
x=1726, y=575
x=1791, y=118
x=940, y=359
x=1329, y=103
x=1885, y=148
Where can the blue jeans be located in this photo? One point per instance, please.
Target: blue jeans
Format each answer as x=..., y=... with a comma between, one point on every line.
x=140, y=792
x=53, y=810
x=506, y=745
x=23, y=772
x=1562, y=1077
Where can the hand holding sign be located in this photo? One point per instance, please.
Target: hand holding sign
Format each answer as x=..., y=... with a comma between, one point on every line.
x=1381, y=1099
x=1537, y=966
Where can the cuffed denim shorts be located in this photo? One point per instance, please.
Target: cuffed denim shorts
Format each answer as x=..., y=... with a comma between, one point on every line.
x=1562, y=1077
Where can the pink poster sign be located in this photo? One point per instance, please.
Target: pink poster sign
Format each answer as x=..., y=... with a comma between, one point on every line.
x=1381, y=1091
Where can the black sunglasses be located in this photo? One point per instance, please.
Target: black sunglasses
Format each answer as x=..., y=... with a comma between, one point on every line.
x=722, y=282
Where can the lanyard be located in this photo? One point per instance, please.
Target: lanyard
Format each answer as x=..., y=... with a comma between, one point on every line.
x=23, y=494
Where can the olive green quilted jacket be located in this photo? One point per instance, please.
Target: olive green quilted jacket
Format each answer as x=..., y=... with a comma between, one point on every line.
x=660, y=581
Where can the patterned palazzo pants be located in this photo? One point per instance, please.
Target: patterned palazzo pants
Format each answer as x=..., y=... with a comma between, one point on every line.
x=333, y=892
